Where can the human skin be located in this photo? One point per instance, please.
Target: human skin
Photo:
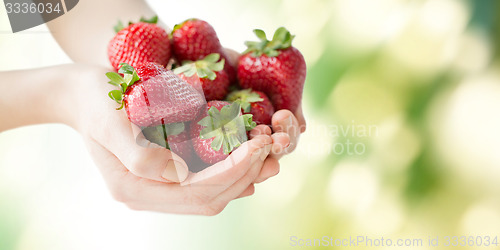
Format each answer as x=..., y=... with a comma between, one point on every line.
x=141, y=175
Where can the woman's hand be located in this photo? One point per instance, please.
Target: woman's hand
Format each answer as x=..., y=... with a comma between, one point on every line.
x=146, y=176
x=139, y=173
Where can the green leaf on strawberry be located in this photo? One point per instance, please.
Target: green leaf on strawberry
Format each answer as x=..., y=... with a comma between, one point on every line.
x=174, y=128
x=158, y=134
x=245, y=98
x=204, y=68
x=248, y=122
x=119, y=26
x=227, y=127
x=116, y=95
x=179, y=25
x=282, y=39
x=129, y=78
x=152, y=20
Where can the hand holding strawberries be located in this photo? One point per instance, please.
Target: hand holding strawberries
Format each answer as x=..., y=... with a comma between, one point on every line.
x=142, y=174
x=274, y=69
x=170, y=111
x=146, y=175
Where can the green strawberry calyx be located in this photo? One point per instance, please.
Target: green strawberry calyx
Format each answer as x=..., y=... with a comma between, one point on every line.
x=160, y=133
x=282, y=39
x=227, y=126
x=129, y=78
x=245, y=98
x=119, y=26
x=204, y=68
x=179, y=25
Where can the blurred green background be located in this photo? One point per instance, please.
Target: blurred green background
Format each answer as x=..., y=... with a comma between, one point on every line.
x=402, y=101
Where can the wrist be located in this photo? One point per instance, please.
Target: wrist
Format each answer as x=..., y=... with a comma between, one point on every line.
x=29, y=97
x=36, y=96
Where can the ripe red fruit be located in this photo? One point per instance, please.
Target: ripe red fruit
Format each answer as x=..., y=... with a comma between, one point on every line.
x=218, y=130
x=155, y=97
x=194, y=39
x=180, y=144
x=275, y=68
x=209, y=73
x=255, y=103
x=139, y=43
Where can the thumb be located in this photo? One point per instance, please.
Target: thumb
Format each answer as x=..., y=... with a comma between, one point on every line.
x=140, y=156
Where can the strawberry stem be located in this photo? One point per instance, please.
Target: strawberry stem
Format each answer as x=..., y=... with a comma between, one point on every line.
x=227, y=127
x=129, y=78
x=153, y=20
x=179, y=25
x=119, y=26
x=282, y=39
x=204, y=68
x=245, y=98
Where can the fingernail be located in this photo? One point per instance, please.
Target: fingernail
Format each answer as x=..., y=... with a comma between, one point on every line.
x=175, y=171
x=287, y=122
x=277, y=149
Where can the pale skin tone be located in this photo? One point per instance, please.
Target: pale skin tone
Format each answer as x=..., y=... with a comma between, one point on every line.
x=141, y=175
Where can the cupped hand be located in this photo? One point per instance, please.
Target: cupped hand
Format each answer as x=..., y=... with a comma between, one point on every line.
x=146, y=176
x=285, y=133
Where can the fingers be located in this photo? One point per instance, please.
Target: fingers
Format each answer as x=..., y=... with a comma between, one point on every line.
x=248, y=192
x=140, y=156
x=284, y=121
x=242, y=184
x=140, y=193
x=271, y=164
x=260, y=130
x=126, y=185
x=211, y=193
x=281, y=142
x=301, y=119
x=270, y=168
x=227, y=172
x=144, y=194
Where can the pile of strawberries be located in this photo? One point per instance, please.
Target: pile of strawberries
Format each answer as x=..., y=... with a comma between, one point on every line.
x=181, y=90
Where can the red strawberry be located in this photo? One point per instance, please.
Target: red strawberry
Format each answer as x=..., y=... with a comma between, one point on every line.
x=218, y=130
x=255, y=103
x=173, y=136
x=181, y=145
x=275, y=68
x=139, y=43
x=214, y=81
x=155, y=97
x=194, y=39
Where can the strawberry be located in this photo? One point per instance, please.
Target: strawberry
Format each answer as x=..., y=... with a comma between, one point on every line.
x=275, y=68
x=139, y=43
x=173, y=136
x=194, y=39
x=156, y=96
x=255, y=103
x=218, y=130
x=214, y=81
